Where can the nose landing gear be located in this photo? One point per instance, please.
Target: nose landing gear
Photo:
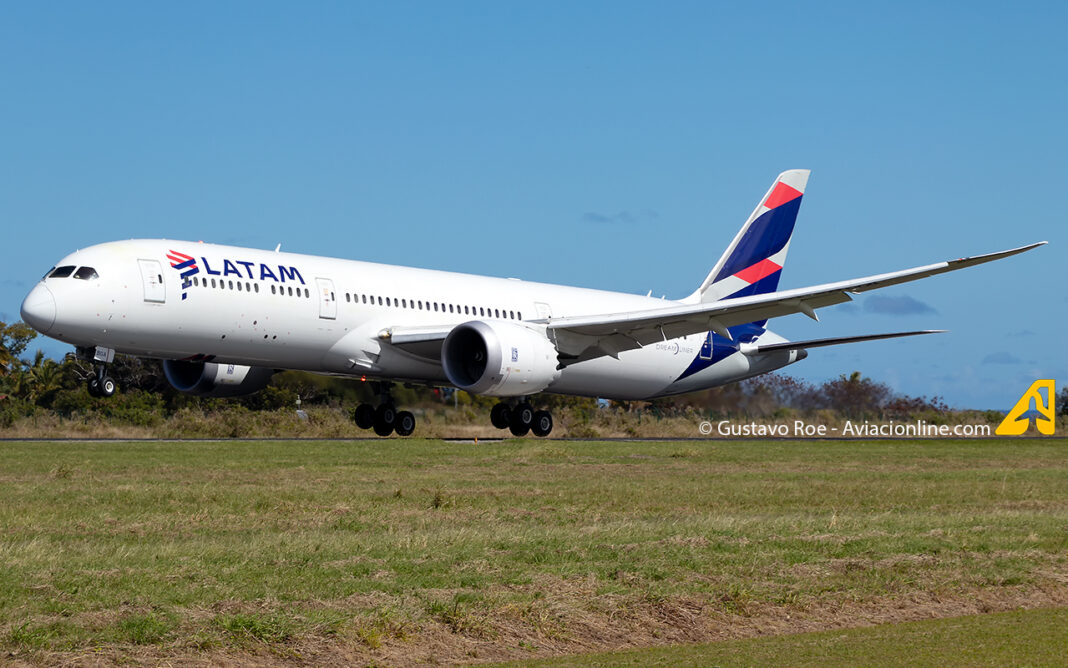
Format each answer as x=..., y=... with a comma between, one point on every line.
x=100, y=384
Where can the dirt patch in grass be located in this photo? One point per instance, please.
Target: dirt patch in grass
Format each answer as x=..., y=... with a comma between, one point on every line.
x=559, y=625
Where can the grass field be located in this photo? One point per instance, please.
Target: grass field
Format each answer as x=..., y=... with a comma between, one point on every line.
x=410, y=551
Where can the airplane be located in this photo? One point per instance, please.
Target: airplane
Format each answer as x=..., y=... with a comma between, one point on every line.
x=224, y=319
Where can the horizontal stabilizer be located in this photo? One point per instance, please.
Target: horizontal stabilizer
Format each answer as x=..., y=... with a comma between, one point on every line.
x=819, y=343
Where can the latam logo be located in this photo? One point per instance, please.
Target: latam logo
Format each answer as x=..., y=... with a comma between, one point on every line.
x=187, y=265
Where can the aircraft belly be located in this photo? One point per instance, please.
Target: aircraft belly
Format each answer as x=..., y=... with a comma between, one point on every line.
x=731, y=369
x=637, y=374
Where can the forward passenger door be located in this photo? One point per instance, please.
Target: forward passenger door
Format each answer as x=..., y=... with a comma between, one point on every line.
x=327, y=299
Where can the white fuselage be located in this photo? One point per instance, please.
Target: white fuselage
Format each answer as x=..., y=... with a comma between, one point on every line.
x=289, y=311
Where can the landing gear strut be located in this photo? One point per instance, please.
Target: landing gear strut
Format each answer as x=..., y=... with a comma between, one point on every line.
x=100, y=384
x=521, y=419
x=385, y=419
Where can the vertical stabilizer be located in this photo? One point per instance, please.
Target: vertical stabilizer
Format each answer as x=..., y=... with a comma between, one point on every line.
x=753, y=262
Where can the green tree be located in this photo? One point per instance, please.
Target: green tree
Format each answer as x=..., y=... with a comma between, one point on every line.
x=13, y=341
x=1063, y=402
x=45, y=379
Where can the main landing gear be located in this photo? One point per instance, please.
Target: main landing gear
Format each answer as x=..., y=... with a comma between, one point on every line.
x=384, y=419
x=521, y=419
x=100, y=384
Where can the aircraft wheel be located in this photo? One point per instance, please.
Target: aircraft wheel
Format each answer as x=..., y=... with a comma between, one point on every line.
x=522, y=418
x=405, y=423
x=543, y=423
x=93, y=385
x=500, y=416
x=107, y=386
x=524, y=412
x=385, y=416
x=364, y=417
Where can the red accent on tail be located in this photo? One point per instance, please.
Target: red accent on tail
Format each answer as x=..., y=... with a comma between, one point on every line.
x=781, y=195
x=762, y=269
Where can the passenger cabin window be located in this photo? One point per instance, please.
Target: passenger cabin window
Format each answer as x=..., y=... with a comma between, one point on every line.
x=86, y=274
x=62, y=272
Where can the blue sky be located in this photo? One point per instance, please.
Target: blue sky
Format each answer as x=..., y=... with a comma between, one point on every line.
x=611, y=145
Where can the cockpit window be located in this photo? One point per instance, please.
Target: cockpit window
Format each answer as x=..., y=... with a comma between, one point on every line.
x=62, y=272
x=86, y=273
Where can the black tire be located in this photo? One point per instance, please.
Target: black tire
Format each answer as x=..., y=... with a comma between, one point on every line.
x=382, y=428
x=500, y=416
x=385, y=416
x=524, y=412
x=386, y=413
x=543, y=423
x=107, y=386
x=404, y=424
x=519, y=429
x=93, y=386
x=521, y=418
x=364, y=416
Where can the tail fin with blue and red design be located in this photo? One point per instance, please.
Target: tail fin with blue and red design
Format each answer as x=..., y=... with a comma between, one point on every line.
x=753, y=262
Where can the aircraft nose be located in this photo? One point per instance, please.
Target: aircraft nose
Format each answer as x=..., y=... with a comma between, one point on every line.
x=39, y=308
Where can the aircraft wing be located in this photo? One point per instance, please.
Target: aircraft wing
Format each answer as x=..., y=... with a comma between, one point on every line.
x=586, y=337
x=756, y=349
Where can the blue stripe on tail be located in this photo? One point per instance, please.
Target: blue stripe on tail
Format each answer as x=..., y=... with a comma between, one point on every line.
x=766, y=236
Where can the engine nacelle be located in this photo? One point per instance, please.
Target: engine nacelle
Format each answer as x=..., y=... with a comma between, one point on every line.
x=500, y=359
x=207, y=379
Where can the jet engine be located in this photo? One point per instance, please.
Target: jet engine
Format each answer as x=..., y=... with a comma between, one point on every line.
x=500, y=359
x=208, y=379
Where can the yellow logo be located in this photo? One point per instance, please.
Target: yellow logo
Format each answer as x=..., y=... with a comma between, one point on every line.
x=1015, y=423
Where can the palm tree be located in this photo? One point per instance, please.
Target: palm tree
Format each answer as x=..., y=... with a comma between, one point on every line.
x=46, y=378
